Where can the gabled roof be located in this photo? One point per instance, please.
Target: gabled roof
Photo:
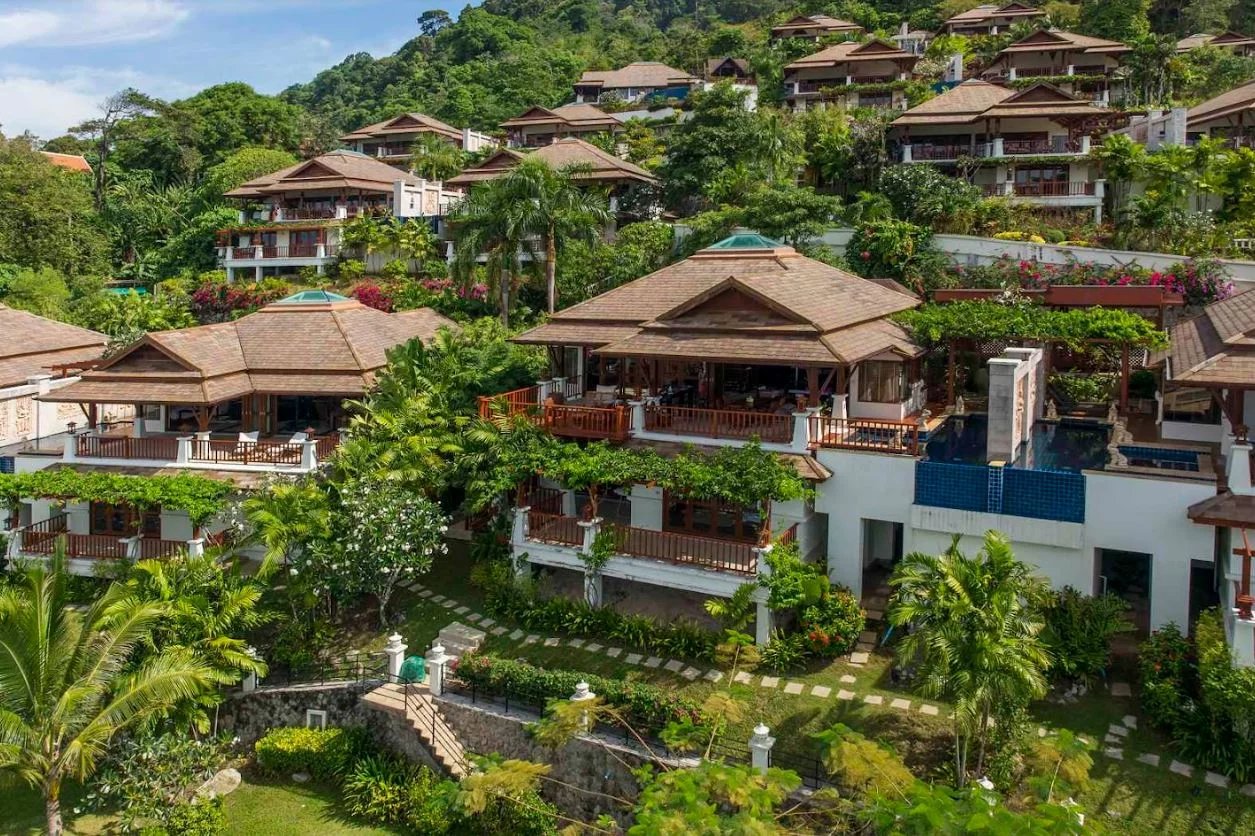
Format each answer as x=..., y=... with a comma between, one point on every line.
x=333, y=170
x=992, y=11
x=853, y=52
x=1215, y=348
x=636, y=74
x=1224, y=39
x=406, y=123
x=35, y=344
x=313, y=343
x=578, y=116
x=1227, y=103
x=975, y=99
x=739, y=64
x=745, y=299
x=1053, y=40
x=561, y=153
x=70, y=162
x=825, y=23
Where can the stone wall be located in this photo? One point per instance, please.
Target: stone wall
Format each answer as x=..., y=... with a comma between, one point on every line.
x=594, y=764
x=250, y=715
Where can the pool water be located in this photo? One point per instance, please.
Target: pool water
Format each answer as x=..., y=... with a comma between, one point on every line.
x=1067, y=445
x=1161, y=458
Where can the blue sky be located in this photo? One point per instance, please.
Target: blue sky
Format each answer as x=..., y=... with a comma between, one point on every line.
x=59, y=58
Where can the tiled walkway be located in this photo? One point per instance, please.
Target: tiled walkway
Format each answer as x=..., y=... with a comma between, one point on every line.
x=1114, y=743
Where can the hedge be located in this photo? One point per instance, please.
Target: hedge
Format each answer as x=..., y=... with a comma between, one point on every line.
x=322, y=753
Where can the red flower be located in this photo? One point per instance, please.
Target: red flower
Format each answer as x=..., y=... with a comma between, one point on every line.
x=865, y=255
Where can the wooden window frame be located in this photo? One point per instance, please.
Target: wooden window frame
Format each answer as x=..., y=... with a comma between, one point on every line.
x=715, y=508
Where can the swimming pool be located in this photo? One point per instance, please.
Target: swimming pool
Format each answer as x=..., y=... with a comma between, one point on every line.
x=1161, y=458
x=1070, y=446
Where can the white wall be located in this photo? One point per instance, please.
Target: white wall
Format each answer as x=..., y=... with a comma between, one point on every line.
x=872, y=409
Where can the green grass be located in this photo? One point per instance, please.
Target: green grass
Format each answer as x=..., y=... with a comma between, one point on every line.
x=284, y=808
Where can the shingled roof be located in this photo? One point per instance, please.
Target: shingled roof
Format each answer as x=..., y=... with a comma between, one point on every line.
x=334, y=170
x=636, y=74
x=1054, y=40
x=991, y=11
x=1227, y=103
x=313, y=343
x=975, y=99
x=70, y=162
x=745, y=299
x=826, y=23
x=1215, y=348
x=578, y=116
x=561, y=153
x=36, y=344
x=852, y=52
x=1224, y=39
x=406, y=123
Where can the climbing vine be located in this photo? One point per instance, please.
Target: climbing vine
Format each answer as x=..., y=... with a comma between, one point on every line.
x=994, y=320
x=199, y=497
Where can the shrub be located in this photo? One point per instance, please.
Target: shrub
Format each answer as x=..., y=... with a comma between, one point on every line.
x=832, y=625
x=375, y=788
x=524, y=814
x=784, y=653
x=897, y=250
x=202, y=817
x=1097, y=387
x=644, y=706
x=351, y=270
x=323, y=753
x=372, y=296
x=861, y=766
x=1168, y=671
x=220, y=301
x=1078, y=632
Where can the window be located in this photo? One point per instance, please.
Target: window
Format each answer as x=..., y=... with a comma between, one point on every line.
x=124, y=521
x=711, y=518
x=882, y=381
x=1192, y=406
x=315, y=719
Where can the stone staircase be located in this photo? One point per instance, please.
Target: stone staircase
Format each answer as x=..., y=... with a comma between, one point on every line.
x=414, y=702
x=459, y=639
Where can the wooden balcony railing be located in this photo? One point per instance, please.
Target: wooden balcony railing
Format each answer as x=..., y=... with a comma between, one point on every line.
x=864, y=434
x=554, y=528
x=542, y=500
x=598, y=422
x=1057, y=145
x=939, y=152
x=719, y=423
x=158, y=448
x=150, y=549
x=788, y=537
x=42, y=538
x=307, y=214
x=1071, y=188
x=525, y=401
x=685, y=549
x=246, y=452
x=269, y=251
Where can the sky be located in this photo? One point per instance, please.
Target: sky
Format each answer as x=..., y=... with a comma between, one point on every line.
x=60, y=58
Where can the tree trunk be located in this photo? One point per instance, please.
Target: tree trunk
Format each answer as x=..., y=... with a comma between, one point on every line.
x=505, y=298
x=984, y=736
x=52, y=807
x=551, y=270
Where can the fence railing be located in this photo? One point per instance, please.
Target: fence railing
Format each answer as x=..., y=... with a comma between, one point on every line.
x=808, y=765
x=719, y=423
x=360, y=669
x=788, y=537
x=246, y=452
x=267, y=251
x=159, y=448
x=598, y=422
x=554, y=528
x=864, y=434
x=684, y=549
x=525, y=401
x=423, y=712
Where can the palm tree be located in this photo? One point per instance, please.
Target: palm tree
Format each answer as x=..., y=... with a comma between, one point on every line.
x=487, y=224
x=975, y=629
x=67, y=681
x=433, y=158
x=555, y=207
x=286, y=517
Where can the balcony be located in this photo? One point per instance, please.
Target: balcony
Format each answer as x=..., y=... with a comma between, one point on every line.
x=295, y=454
x=1078, y=191
x=275, y=253
x=41, y=539
x=999, y=147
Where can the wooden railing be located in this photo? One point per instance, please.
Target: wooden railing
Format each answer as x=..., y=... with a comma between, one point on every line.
x=41, y=537
x=150, y=549
x=572, y=421
x=1053, y=189
x=864, y=434
x=939, y=152
x=157, y=447
x=554, y=528
x=788, y=537
x=525, y=401
x=246, y=452
x=719, y=423
x=686, y=549
x=543, y=500
x=326, y=445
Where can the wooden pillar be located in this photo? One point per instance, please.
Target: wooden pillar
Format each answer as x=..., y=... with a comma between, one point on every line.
x=1244, y=601
x=202, y=418
x=812, y=386
x=1124, y=379
x=950, y=376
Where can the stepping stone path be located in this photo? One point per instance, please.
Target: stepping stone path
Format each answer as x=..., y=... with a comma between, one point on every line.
x=462, y=610
x=846, y=679
x=674, y=665
x=867, y=636
x=1216, y=780
x=516, y=635
x=770, y=681
x=448, y=603
x=614, y=652
x=845, y=695
x=874, y=699
x=498, y=631
x=1181, y=768
x=1114, y=753
x=930, y=710
x=743, y=678
x=438, y=599
x=1121, y=689
x=633, y=658
x=593, y=648
x=1119, y=731
x=901, y=704
x=793, y=688
x=486, y=623
x=475, y=616
x=1129, y=721
x=1148, y=759
x=690, y=674
x=426, y=593
x=859, y=657
x=576, y=643
x=713, y=676
x=553, y=642
x=1248, y=790
x=875, y=615
x=653, y=662
x=532, y=639
x=821, y=691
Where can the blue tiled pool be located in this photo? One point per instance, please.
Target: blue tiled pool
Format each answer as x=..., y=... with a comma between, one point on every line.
x=1070, y=446
x=1161, y=458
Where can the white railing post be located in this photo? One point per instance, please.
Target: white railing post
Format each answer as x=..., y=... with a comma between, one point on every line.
x=183, y=452
x=518, y=536
x=583, y=694
x=1011, y=74
x=637, y=408
x=998, y=148
x=1071, y=69
x=1085, y=144
x=592, y=578
x=322, y=249
x=130, y=546
x=395, y=651
x=436, y=659
x=15, y=543
x=801, y=430
x=309, y=454
x=196, y=547
x=544, y=388
x=69, y=451
x=906, y=153
x=762, y=615
x=249, y=682
x=760, y=744
x=840, y=410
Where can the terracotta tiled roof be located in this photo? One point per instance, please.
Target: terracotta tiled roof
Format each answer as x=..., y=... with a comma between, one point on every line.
x=825, y=22
x=295, y=346
x=760, y=302
x=1228, y=102
x=637, y=74
x=1215, y=348
x=854, y=52
x=1053, y=40
x=1227, y=509
x=561, y=153
x=577, y=116
x=35, y=344
x=336, y=169
x=975, y=99
x=1226, y=39
x=72, y=162
x=991, y=11
x=406, y=123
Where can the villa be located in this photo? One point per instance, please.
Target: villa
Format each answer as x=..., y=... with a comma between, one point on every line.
x=1031, y=144
x=814, y=27
x=749, y=339
x=1238, y=44
x=539, y=126
x=990, y=19
x=392, y=140
x=291, y=218
x=237, y=401
x=851, y=75
x=638, y=80
x=1075, y=62
x=1229, y=116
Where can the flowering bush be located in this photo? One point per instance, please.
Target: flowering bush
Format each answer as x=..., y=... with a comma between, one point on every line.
x=372, y=296
x=223, y=301
x=1199, y=281
x=444, y=296
x=833, y=624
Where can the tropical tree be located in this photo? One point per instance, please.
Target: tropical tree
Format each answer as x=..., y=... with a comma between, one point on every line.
x=435, y=158
x=974, y=636
x=488, y=225
x=410, y=238
x=284, y=517
x=555, y=206
x=1122, y=161
x=67, y=683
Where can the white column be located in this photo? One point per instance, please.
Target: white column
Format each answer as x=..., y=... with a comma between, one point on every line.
x=544, y=388
x=583, y=694
x=183, y=453
x=592, y=578
x=395, y=651
x=997, y=150
x=309, y=454
x=436, y=659
x=559, y=385
x=196, y=547
x=763, y=619
x=839, y=408
x=249, y=682
x=1085, y=144
x=638, y=416
x=69, y=451
x=130, y=547
x=760, y=744
x=1071, y=69
x=1011, y=74
x=1240, y=468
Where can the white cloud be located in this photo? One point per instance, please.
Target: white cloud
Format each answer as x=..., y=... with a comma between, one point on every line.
x=47, y=106
x=88, y=22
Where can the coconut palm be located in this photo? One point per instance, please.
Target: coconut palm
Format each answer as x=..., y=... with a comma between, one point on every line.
x=556, y=207
x=974, y=635
x=487, y=224
x=433, y=158
x=67, y=680
x=286, y=516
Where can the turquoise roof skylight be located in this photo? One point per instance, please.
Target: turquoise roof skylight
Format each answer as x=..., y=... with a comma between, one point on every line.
x=307, y=297
x=746, y=241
